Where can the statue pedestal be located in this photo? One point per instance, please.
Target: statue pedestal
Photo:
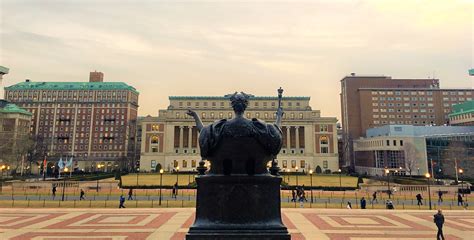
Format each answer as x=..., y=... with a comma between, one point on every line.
x=238, y=207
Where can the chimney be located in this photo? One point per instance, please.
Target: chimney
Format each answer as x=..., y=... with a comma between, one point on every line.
x=96, y=77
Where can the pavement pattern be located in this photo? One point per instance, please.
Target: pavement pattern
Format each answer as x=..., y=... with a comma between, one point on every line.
x=128, y=224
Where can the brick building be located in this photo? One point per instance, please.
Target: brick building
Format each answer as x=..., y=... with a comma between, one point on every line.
x=94, y=122
x=170, y=140
x=372, y=101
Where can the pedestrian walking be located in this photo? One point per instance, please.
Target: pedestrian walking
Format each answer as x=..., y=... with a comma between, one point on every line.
x=374, y=197
x=122, y=201
x=54, y=191
x=440, y=196
x=438, y=219
x=293, y=195
x=81, y=197
x=175, y=190
x=130, y=194
x=349, y=205
x=363, y=203
x=460, y=200
x=302, y=195
x=419, y=198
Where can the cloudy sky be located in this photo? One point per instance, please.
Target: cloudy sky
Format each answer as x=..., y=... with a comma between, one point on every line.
x=165, y=48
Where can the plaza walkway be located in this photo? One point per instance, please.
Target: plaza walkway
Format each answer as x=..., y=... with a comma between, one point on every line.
x=173, y=223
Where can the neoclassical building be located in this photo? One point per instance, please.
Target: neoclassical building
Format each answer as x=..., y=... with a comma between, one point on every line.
x=170, y=140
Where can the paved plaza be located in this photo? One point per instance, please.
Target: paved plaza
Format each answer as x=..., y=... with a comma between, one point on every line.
x=94, y=224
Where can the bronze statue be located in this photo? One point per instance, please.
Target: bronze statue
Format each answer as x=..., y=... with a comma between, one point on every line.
x=269, y=136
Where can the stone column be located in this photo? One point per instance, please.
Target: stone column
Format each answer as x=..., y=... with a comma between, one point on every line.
x=181, y=140
x=190, y=137
x=297, y=137
x=288, y=137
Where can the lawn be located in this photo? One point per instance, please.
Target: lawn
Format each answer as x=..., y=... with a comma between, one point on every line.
x=130, y=180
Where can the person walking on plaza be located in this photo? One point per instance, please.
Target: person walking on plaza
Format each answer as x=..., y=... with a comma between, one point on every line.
x=175, y=190
x=302, y=195
x=438, y=219
x=82, y=195
x=130, y=194
x=122, y=201
x=54, y=192
x=440, y=196
x=419, y=198
x=293, y=195
x=374, y=198
x=460, y=200
x=349, y=205
x=363, y=203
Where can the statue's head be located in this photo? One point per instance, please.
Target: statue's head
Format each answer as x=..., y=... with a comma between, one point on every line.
x=239, y=101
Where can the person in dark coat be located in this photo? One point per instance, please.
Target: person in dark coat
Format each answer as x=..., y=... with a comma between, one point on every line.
x=374, y=197
x=130, y=194
x=293, y=195
x=460, y=200
x=363, y=203
x=440, y=196
x=54, y=191
x=438, y=219
x=81, y=197
x=419, y=198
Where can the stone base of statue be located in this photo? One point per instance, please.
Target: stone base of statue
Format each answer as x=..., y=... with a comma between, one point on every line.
x=238, y=207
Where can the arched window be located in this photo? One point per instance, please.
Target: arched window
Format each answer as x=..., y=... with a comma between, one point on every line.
x=324, y=144
x=185, y=163
x=154, y=140
x=175, y=163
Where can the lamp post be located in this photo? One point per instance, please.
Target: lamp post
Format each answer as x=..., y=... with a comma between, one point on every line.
x=177, y=173
x=461, y=171
x=340, y=180
x=427, y=175
x=296, y=171
x=387, y=172
x=1, y=177
x=161, y=184
x=288, y=174
x=98, y=167
x=311, y=183
x=138, y=172
x=64, y=182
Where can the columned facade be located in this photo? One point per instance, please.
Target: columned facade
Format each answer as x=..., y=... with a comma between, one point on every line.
x=309, y=140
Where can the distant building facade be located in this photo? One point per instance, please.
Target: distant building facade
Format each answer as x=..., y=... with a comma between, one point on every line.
x=372, y=101
x=93, y=122
x=170, y=140
x=14, y=129
x=415, y=150
x=462, y=114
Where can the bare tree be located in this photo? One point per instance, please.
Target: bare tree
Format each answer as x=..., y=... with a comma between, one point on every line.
x=410, y=157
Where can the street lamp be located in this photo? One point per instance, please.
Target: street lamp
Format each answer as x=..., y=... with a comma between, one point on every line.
x=427, y=175
x=461, y=171
x=64, y=182
x=99, y=166
x=340, y=180
x=311, y=183
x=177, y=173
x=138, y=172
x=161, y=182
x=387, y=172
x=1, y=177
x=296, y=171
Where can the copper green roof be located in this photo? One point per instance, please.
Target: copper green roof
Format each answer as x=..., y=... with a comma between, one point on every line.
x=471, y=72
x=3, y=70
x=71, y=86
x=226, y=98
x=462, y=108
x=12, y=108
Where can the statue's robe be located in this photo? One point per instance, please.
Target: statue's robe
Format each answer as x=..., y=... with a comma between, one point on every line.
x=268, y=135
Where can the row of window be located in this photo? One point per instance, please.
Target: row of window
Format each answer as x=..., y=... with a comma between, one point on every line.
x=429, y=93
x=212, y=115
x=228, y=103
x=403, y=116
x=409, y=122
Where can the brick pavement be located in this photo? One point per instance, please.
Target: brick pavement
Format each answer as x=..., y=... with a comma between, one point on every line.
x=127, y=224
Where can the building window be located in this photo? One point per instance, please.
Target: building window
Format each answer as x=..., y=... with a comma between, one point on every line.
x=302, y=164
x=185, y=163
x=293, y=163
x=324, y=144
x=284, y=164
x=154, y=140
x=175, y=163
x=193, y=163
x=154, y=149
x=325, y=164
x=155, y=127
x=153, y=164
x=323, y=128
